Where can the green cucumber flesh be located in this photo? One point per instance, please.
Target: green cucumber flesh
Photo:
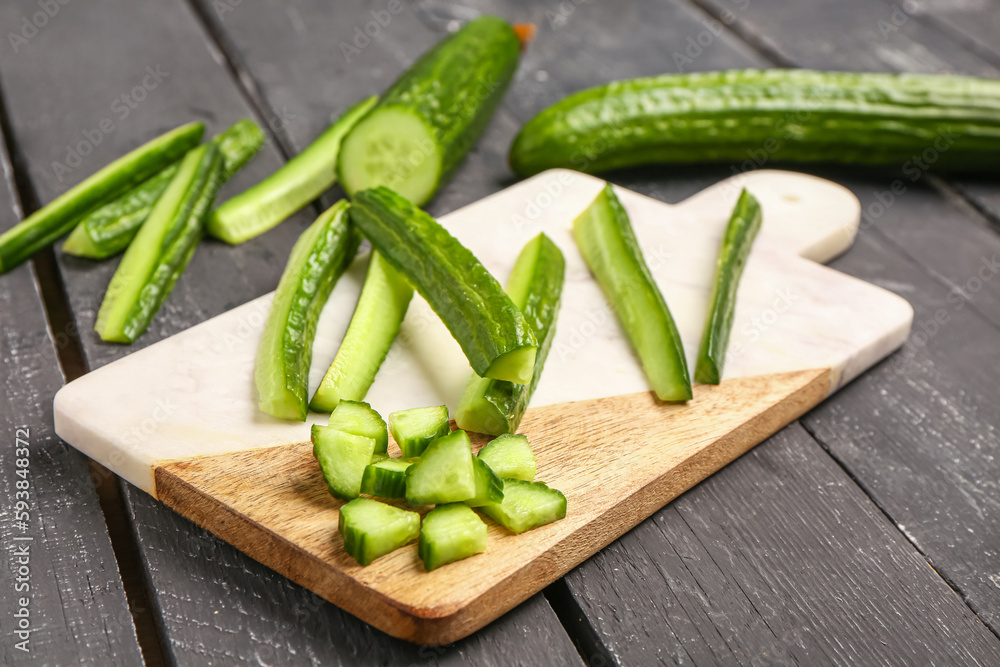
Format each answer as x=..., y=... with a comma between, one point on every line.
x=55, y=219
x=740, y=233
x=299, y=181
x=343, y=458
x=535, y=286
x=372, y=529
x=319, y=257
x=415, y=428
x=510, y=456
x=805, y=116
x=490, y=329
x=526, y=505
x=377, y=456
x=361, y=419
x=378, y=315
x=444, y=473
x=108, y=230
x=150, y=267
x=430, y=118
x=607, y=242
x=489, y=486
x=450, y=533
x=386, y=478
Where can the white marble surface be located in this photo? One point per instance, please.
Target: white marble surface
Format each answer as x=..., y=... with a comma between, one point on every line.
x=193, y=394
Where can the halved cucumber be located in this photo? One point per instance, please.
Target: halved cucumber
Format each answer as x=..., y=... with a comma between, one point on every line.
x=527, y=505
x=450, y=533
x=444, y=473
x=386, y=478
x=361, y=419
x=489, y=486
x=382, y=305
x=510, y=456
x=372, y=529
x=343, y=458
x=414, y=429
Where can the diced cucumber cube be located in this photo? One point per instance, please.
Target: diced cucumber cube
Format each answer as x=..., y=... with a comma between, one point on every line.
x=510, y=456
x=359, y=418
x=386, y=478
x=489, y=487
x=343, y=458
x=527, y=505
x=450, y=533
x=371, y=529
x=444, y=473
x=413, y=429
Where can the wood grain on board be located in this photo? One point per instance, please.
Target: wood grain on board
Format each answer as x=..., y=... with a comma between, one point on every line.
x=616, y=459
x=59, y=578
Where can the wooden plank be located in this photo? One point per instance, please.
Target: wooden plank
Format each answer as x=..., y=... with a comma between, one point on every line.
x=778, y=559
x=917, y=433
x=213, y=602
x=69, y=594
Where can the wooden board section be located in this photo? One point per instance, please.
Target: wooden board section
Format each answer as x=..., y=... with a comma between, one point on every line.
x=617, y=460
x=76, y=606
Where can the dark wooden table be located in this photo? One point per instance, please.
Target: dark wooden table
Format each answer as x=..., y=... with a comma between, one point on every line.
x=866, y=533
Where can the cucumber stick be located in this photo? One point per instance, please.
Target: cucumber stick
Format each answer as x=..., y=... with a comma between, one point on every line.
x=488, y=326
x=526, y=505
x=296, y=183
x=385, y=297
x=343, y=458
x=162, y=249
x=535, y=286
x=432, y=115
x=798, y=115
x=444, y=473
x=372, y=529
x=740, y=233
x=108, y=230
x=50, y=222
x=415, y=428
x=609, y=247
x=317, y=261
x=450, y=533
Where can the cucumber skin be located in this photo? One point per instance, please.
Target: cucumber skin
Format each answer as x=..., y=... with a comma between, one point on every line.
x=108, y=230
x=296, y=183
x=455, y=88
x=607, y=242
x=843, y=117
x=507, y=401
x=487, y=325
x=50, y=222
x=317, y=261
x=382, y=305
x=147, y=273
x=744, y=224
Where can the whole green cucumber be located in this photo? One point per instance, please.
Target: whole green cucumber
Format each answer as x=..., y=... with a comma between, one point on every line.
x=909, y=120
x=48, y=223
x=428, y=120
x=108, y=230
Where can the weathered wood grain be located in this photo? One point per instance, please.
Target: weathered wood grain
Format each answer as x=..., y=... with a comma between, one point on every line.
x=289, y=520
x=75, y=603
x=214, y=603
x=917, y=433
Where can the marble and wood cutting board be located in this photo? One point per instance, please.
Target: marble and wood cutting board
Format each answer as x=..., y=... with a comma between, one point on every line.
x=179, y=418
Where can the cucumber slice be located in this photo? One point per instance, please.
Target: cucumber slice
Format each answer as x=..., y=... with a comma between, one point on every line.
x=740, y=233
x=444, y=473
x=510, y=456
x=609, y=247
x=414, y=429
x=386, y=478
x=489, y=486
x=432, y=115
x=527, y=505
x=450, y=533
x=491, y=330
x=535, y=286
x=343, y=458
x=385, y=296
x=372, y=529
x=318, y=259
x=298, y=182
x=361, y=419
